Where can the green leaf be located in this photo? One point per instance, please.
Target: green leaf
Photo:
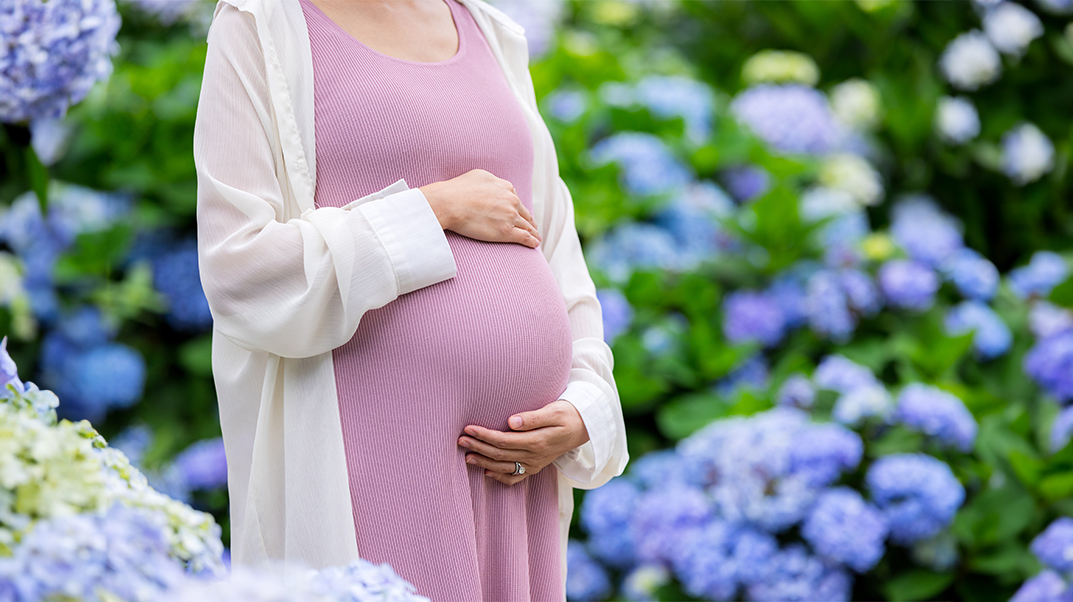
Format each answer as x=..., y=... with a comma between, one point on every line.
x=1056, y=486
x=95, y=253
x=917, y=584
x=1026, y=467
x=37, y=174
x=1063, y=294
x=196, y=356
x=1011, y=560
x=682, y=417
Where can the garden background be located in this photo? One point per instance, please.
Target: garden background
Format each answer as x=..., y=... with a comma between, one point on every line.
x=831, y=242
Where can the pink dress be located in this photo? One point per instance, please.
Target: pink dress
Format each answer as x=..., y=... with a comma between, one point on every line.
x=492, y=341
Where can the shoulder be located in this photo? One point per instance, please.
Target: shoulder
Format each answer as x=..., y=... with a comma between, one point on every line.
x=495, y=14
x=231, y=22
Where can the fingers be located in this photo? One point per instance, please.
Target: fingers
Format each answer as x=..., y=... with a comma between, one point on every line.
x=549, y=415
x=524, y=237
x=490, y=464
x=494, y=452
x=508, y=441
x=507, y=479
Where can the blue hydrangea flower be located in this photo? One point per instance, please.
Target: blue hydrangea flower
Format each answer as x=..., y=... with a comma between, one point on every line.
x=794, y=574
x=666, y=335
x=617, y=313
x=1062, y=429
x=992, y=336
x=53, y=53
x=838, y=373
x=907, y=284
x=1046, y=319
x=861, y=292
x=828, y=309
x=86, y=326
x=844, y=528
x=203, y=465
x=1046, y=586
x=796, y=391
x=1054, y=547
x=176, y=276
x=692, y=219
x=752, y=316
x=789, y=294
x=670, y=96
x=860, y=403
x=634, y=246
x=792, y=118
x=702, y=562
x=1027, y=154
x=974, y=276
x=938, y=414
x=1050, y=363
x=358, y=581
x=753, y=374
x=91, y=379
x=585, y=578
x=662, y=516
x=658, y=468
x=917, y=493
x=566, y=105
x=746, y=182
x=824, y=451
x=1044, y=271
x=647, y=165
x=133, y=441
x=606, y=514
x=924, y=231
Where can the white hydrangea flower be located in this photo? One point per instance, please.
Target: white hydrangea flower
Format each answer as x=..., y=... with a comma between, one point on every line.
x=854, y=175
x=819, y=202
x=956, y=120
x=1027, y=154
x=856, y=103
x=1012, y=27
x=780, y=66
x=970, y=61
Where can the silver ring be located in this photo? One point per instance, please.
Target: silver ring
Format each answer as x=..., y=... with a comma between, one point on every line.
x=518, y=469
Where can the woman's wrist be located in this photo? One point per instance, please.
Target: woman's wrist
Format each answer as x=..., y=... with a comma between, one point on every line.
x=441, y=209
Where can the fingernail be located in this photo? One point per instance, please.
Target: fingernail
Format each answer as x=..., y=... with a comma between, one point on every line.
x=515, y=422
x=463, y=443
x=469, y=460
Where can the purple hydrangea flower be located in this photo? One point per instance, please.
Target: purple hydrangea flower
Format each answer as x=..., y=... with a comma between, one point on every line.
x=606, y=513
x=792, y=118
x=861, y=292
x=585, y=578
x=647, y=165
x=838, y=373
x=917, y=493
x=992, y=336
x=692, y=217
x=1050, y=364
x=908, y=285
x=790, y=296
x=176, y=276
x=53, y=52
x=658, y=469
x=617, y=313
x=678, y=96
x=974, y=276
x=1047, y=586
x=752, y=316
x=824, y=451
x=924, y=231
x=702, y=562
x=662, y=516
x=1044, y=271
x=86, y=326
x=1062, y=429
x=864, y=402
x=828, y=309
x=796, y=391
x=166, y=11
x=746, y=182
x=9, y=372
x=203, y=465
x=1054, y=547
x=844, y=528
x=794, y=574
x=1046, y=319
x=753, y=374
x=938, y=414
x=634, y=246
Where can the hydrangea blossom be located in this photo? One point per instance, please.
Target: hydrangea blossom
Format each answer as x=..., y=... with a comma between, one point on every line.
x=1046, y=586
x=165, y=11
x=566, y=105
x=1044, y=271
x=828, y=307
x=1045, y=319
x=617, y=312
x=1054, y=546
x=854, y=175
x=908, y=284
x=49, y=138
x=746, y=182
x=1058, y=7
x=856, y=103
x=917, y=493
x=1027, y=154
x=861, y=403
x=797, y=391
x=752, y=316
x=780, y=67
x=678, y=96
x=752, y=374
x=647, y=165
x=974, y=275
x=956, y=120
x=794, y=574
x=1011, y=27
x=176, y=276
x=662, y=516
x=838, y=373
x=846, y=529
x=692, y=219
x=54, y=51
x=606, y=515
x=1062, y=429
x=666, y=335
x=938, y=414
x=634, y=246
x=1050, y=363
x=91, y=379
x=585, y=578
x=641, y=583
x=792, y=118
x=992, y=336
x=203, y=465
x=970, y=61
x=924, y=231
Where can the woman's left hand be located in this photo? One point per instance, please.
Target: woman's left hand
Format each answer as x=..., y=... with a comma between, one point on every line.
x=536, y=440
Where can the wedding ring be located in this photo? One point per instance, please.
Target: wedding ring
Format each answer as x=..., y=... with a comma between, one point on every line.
x=518, y=469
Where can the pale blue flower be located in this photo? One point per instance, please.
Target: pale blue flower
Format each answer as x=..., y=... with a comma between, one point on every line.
x=907, y=284
x=917, y=493
x=974, y=276
x=794, y=574
x=679, y=96
x=617, y=313
x=1027, y=154
x=752, y=316
x=860, y=403
x=956, y=120
x=203, y=465
x=647, y=165
x=1054, y=546
x=838, y=373
x=796, y=391
x=1050, y=364
x=924, y=231
x=992, y=336
x=566, y=105
x=844, y=528
x=1044, y=271
x=791, y=118
x=1046, y=586
x=585, y=578
x=938, y=414
x=1062, y=429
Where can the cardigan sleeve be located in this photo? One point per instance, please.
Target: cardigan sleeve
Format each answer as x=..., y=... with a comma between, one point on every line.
x=292, y=285
x=591, y=387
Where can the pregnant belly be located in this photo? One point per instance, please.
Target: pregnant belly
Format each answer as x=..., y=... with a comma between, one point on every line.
x=475, y=349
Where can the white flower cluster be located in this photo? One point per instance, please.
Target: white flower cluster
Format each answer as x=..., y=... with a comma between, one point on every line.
x=856, y=103
x=1027, y=154
x=956, y=120
x=1011, y=28
x=853, y=175
x=970, y=61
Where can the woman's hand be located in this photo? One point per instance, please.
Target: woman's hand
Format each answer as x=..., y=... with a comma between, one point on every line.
x=481, y=206
x=538, y=438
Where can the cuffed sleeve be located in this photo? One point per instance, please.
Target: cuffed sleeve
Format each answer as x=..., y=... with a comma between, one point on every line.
x=292, y=285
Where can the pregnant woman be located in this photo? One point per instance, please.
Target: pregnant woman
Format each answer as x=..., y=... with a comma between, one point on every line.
x=407, y=345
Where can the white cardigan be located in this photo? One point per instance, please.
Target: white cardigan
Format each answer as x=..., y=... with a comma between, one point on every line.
x=288, y=282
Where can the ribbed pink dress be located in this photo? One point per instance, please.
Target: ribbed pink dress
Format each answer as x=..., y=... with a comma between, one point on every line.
x=492, y=341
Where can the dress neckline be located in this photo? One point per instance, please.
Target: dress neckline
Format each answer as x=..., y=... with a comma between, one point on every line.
x=454, y=17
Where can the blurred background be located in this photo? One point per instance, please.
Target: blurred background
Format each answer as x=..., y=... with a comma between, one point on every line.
x=830, y=240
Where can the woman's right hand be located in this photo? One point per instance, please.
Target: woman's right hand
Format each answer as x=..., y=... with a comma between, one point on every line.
x=482, y=206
